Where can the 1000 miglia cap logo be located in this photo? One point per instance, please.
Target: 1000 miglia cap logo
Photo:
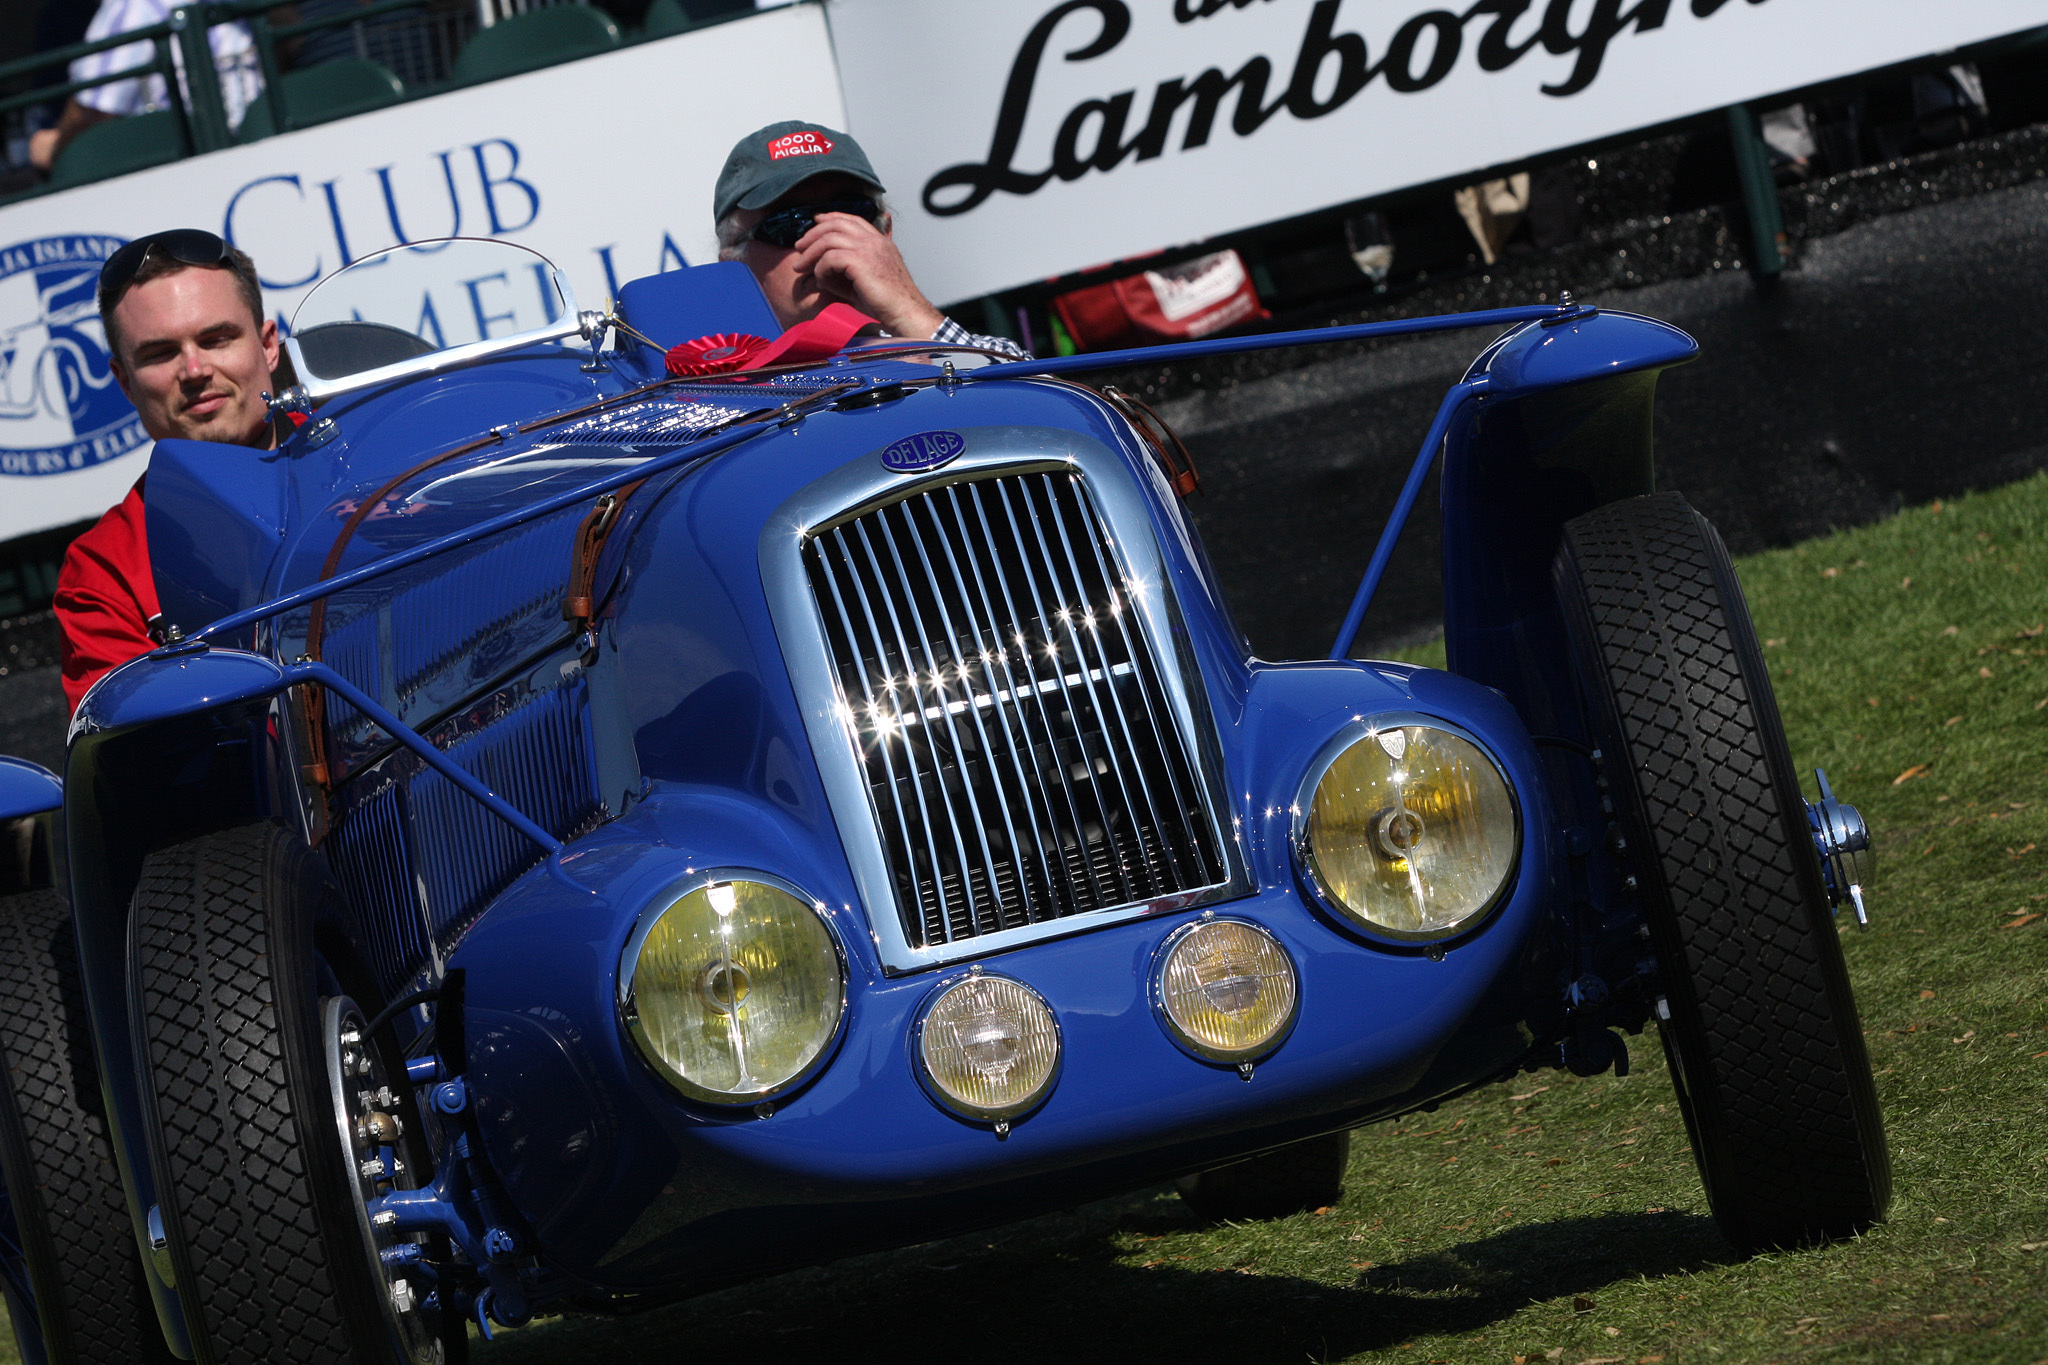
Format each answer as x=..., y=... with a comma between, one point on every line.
x=60, y=408
x=801, y=143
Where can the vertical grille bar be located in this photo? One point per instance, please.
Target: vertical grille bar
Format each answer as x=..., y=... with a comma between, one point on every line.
x=823, y=569
x=991, y=648
x=1059, y=672
x=1026, y=765
x=1129, y=753
x=964, y=675
x=1163, y=734
x=1035, y=704
x=912, y=846
x=959, y=754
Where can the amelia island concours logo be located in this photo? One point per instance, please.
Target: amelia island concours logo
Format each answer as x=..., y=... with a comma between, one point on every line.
x=60, y=409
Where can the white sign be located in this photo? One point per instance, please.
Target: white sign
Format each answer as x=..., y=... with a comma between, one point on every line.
x=1037, y=137
x=1020, y=140
x=605, y=166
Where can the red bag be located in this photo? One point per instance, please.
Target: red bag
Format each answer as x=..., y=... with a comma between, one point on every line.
x=1174, y=303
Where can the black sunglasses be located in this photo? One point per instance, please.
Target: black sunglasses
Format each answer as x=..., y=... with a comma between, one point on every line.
x=785, y=227
x=191, y=246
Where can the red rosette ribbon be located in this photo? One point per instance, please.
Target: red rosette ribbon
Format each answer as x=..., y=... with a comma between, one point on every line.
x=714, y=354
x=824, y=335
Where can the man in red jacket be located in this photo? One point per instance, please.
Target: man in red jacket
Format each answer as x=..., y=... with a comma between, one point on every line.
x=193, y=352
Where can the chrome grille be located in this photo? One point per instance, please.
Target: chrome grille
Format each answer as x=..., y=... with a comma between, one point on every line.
x=1018, y=746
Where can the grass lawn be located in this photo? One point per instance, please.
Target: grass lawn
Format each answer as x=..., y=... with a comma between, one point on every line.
x=1562, y=1219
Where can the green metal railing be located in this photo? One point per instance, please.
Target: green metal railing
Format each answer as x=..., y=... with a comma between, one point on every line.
x=182, y=40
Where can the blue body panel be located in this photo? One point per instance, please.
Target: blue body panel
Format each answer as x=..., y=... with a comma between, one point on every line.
x=27, y=789
x=661, y=732
x=629, y=1187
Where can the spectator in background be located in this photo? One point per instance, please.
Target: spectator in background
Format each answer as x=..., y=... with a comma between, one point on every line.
x=800, y=206
x=234, y=60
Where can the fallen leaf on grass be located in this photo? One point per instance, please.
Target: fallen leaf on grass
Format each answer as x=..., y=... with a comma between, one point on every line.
x=2040, y=1055
x=1830, y=572
x=2032, y=1246
x=1871, y=700
x=2041, y=703
x=1965, y=1038
x=1917, y=770
x=1528, y=1093
x=1649, y=1360
x=2022, y=851
x=1906, y=582
x=1983, y=672
x=1363, y=1265
x=1582, y=1304
x=1553, y=1353
x=2017, y=923
x=1773, y=644
x=1953, y=630
x=1612, y=1331
x=1952, y=720
x=1927, y=995
x=1320, y=1212
x=2030, y=632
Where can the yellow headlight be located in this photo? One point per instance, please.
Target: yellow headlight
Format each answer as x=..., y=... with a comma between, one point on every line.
x=1409, y=829
x=1227, y=989
x=734, y=989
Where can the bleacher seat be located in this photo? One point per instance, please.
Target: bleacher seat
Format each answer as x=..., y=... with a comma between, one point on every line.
x=117, y=147
x=673, y=16
x=331, y=90
x=537, y=38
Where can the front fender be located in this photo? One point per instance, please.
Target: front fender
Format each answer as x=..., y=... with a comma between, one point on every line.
x=1563, y=426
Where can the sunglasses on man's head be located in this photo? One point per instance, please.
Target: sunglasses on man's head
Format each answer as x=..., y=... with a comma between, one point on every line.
x=190, y=246
x=785, y=227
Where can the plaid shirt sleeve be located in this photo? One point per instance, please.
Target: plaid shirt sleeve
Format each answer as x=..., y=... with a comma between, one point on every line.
x=953, y=334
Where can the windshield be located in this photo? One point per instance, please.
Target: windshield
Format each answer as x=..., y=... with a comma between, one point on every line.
x=416, y=300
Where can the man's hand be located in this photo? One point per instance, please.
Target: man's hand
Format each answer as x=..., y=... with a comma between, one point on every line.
x=855, y=262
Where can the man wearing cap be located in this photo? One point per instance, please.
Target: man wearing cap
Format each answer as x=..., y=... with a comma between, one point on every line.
x=801, y=206
x=193, y=352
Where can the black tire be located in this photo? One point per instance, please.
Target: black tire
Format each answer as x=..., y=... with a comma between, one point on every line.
x=71, y=1217
x=263, y=1234
x=1766, y=1050
x=1287, y=1180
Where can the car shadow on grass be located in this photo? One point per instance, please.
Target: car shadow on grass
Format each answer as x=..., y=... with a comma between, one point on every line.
x=1040, y=1292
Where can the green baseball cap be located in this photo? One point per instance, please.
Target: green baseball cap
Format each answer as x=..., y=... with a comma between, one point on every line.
x=770, y=162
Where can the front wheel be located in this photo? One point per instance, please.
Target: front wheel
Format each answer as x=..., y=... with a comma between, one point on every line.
x=269, y=1102
x=1766, y=1050
x=79, y=1295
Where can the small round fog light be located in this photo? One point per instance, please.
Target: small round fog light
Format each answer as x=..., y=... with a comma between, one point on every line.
x=988, y=1047
x=1226, y=989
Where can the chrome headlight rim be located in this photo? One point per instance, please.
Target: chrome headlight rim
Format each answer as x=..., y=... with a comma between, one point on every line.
x=1328, y=903
x=1194, y=1047
x=628, y=1009
x=985, y=1117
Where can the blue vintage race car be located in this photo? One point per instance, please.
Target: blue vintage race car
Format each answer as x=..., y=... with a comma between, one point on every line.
x=598, y=835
